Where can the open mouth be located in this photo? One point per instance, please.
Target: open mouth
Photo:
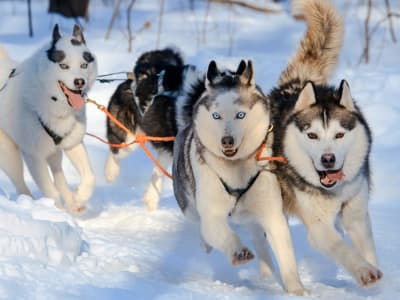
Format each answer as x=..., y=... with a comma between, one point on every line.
x=329, y=178
x=74, y=97
x=229, y=152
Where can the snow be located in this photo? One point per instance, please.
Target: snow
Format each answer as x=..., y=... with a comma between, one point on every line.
x=119, y=250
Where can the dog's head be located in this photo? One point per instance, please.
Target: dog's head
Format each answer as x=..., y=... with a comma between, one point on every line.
x=327, y=140
x=231, y=118
x=70, y=66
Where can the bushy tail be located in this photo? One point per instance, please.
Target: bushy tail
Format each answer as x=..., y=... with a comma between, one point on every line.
x=193, y=88
x=319, y=49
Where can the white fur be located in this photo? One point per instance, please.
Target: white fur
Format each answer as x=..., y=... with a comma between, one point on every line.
x=260, y=207
x=350, y=196
x=25, y=99
x=248, y=133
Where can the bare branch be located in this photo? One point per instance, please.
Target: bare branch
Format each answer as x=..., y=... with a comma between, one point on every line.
x=249, y=6
x=391, y=29
x=128, y=24
x=114, y=16
x=160, y=17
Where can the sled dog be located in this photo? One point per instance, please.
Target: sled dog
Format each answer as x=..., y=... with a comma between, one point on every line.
x=146, y=105
x=42, y=116
x=326, y=140
x=216, y=176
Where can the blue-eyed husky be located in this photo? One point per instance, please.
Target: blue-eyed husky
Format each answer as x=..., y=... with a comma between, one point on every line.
x=216, y=175
x=326, y=140
x=43, y=116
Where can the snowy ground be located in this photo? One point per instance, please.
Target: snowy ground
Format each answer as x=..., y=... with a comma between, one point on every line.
x=119, y=250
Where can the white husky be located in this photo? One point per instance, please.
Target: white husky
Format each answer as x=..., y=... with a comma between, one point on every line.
x=43, y=114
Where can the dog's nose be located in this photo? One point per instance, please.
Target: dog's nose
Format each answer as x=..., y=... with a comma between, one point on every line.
x=227, y=141
x=79, y=83
x=328, y=160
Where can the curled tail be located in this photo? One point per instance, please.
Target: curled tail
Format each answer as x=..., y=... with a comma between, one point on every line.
x=319, y=49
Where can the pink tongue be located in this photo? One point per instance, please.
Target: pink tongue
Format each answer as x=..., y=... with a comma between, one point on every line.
x=74, y=99
x=332, y=177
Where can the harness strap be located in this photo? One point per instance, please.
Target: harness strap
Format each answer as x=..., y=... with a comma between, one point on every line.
x=238, y=193
x=11, y=75
x=262, y=147
x=54, y=136
x=141, y=139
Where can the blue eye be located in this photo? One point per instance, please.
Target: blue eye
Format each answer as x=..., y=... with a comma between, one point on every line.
x=216, y=116
x=240, y=115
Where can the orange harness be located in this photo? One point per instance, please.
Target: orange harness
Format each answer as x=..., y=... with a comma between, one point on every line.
x=141, y=139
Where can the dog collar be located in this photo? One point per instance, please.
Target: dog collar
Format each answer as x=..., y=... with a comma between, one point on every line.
x=54, y=136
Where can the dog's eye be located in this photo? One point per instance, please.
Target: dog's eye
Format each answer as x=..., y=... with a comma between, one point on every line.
x=240, y=115
x=216, y=116
x=64, y=66
x=84, y=66
x=339, y=135
x=312, y=136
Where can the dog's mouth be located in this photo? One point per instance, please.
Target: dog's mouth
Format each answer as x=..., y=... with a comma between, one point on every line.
x=329, y=178
x=74, y=97
x=230, y=152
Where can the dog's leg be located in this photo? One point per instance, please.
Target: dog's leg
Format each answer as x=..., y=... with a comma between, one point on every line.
x=265, y=262
x=55, y=163
x=112, y=167
x=38, y=168
x=214, y=205
x=154, y=189
x=357, y=223
x=322, y=234
x=11, y=163
x=264, y=201
x=79, y=158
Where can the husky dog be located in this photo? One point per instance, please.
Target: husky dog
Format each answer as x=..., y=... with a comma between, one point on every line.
x=326, y=140
x=43, y=115
x=216, y=174
x=146, y=105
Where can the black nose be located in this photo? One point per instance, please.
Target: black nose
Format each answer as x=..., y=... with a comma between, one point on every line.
x=227, y=141
x=79, y=83
x=328, y=160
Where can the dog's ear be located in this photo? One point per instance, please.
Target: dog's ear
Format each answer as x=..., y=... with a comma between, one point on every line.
x=78, y=34
x=306, y=97
x=247, y=78
x=56, y=34
x=212, y=73
x=345, y=96
x=241, y=67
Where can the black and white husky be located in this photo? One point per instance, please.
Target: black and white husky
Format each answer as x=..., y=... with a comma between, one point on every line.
x=146, y=105
x=216, y=176
x=42, y=116
x=327, y=141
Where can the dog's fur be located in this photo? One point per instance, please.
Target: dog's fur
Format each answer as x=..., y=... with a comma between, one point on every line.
x=326, y=140
x=39, y=123
x=146, y=105
x=216, y=174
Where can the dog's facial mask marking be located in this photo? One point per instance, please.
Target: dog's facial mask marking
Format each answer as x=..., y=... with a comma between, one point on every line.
x=231, y=111
x=53, y=54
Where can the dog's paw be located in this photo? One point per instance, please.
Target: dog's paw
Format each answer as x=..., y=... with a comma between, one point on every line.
x=299, y=291
x=242, y=257
x=368, y=275
x=112, y=169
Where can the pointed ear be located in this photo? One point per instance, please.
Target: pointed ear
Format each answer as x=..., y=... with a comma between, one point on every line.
x=78, y=34
x=345, y=96
x=56, y=34
x=241, y=67
x=306, y=98
x=212, y=73
x=247, y=78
